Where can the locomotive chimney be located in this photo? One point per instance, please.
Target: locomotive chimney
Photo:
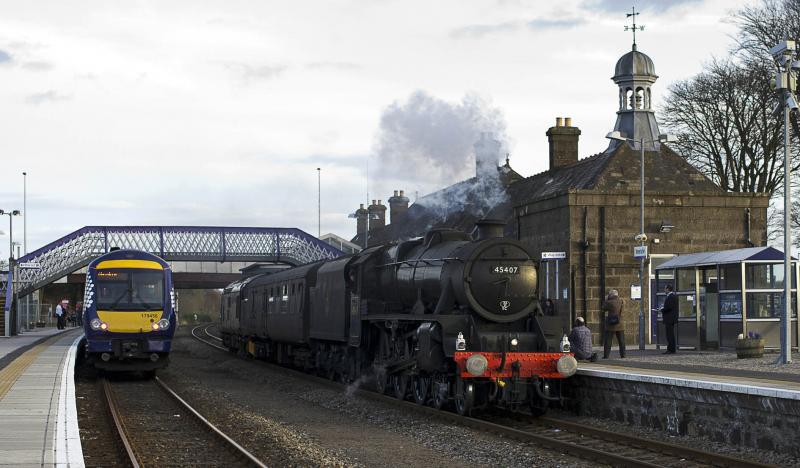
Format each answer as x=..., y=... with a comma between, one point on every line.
x=398, y=207
x=490, y=229
x=563, y=139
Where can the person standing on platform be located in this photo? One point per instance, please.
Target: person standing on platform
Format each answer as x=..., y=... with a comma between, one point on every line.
x=669, y=315
x=613, y=324
x=580, y=341
x=79, y=313
x=60, y=316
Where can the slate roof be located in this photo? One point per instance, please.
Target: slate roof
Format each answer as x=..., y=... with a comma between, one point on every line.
x=607, y=171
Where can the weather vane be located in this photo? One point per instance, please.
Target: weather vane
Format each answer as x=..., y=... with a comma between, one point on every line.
x=633, y=14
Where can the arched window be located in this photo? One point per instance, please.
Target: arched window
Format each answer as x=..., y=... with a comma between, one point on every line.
x=629, y=99
x=639, y=98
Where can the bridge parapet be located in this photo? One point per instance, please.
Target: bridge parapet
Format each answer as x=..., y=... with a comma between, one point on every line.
x=173, y=243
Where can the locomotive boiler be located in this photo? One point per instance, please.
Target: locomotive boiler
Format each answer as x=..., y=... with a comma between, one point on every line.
x=440, y=319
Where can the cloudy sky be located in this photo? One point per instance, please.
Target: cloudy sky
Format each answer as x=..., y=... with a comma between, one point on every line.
x=218, y=113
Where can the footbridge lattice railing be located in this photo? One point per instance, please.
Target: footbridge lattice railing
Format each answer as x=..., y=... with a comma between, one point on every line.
x=172, y=243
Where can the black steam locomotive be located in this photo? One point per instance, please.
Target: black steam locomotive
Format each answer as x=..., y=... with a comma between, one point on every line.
x=439, y=319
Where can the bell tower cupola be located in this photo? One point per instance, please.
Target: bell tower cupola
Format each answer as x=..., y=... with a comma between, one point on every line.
x=634, y=75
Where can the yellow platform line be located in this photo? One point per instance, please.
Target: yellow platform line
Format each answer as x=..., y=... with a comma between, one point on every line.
x=11, y=373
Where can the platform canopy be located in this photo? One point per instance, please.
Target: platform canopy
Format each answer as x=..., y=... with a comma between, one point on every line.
x=721, y=257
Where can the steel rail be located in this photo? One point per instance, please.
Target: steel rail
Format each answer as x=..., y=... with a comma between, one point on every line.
x=238, y=449
x=578, y=450
x=648, y=444
x=123, y=435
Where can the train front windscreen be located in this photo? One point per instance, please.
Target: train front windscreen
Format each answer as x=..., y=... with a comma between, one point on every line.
x=130, y=289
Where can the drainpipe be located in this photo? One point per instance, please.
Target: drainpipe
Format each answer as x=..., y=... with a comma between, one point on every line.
x=602, y=229
x=747, y=225
x=584, y=248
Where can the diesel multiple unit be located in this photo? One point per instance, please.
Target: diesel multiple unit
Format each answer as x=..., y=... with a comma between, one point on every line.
x=129, y=311
x=440, y=319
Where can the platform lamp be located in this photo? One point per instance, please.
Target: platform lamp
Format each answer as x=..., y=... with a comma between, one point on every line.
x=641, y=237
x=10, y=283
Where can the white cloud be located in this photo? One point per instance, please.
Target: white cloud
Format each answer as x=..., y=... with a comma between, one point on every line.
x=143, y=119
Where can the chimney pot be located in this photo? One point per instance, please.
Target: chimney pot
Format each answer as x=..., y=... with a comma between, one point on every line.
x=559, y=121
x=402, y=192
x=395, y=193
x=360, y=206
x=374, y=202
x=568, y=122
x=379, y=202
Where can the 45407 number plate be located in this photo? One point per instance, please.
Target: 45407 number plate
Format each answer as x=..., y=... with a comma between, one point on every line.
x=505, y=269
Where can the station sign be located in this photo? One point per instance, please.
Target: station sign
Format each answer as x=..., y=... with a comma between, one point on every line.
x=640, y=252
x=554, y=255
x=30, y=265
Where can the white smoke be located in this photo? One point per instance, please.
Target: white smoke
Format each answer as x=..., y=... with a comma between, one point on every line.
x=426, y=143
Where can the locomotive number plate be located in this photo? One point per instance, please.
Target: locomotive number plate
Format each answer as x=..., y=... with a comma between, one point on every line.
x=149, y=315
x=505, y=270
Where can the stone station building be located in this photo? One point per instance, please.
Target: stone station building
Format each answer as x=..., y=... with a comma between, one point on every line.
x=589, y=209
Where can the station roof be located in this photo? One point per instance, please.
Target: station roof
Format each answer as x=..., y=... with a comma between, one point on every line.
x=723, y=257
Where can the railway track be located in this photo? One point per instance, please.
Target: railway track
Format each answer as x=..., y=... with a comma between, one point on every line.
x=591, y=443
x=156, y=427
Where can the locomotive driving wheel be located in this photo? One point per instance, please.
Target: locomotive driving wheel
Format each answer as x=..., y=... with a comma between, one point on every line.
x=440, y=389
x=465, y=396
x=400, y=386
x=420, y=386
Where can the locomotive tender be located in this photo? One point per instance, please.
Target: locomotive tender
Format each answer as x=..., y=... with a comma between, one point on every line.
x=442, y=319
x=129, y=311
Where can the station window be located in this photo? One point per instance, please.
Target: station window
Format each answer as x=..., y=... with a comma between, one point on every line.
x=767, y=305
x=686, y=306
x=730, y=277
x=686, y=280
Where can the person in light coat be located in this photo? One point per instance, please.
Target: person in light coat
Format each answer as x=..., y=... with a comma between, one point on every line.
x=614, y=324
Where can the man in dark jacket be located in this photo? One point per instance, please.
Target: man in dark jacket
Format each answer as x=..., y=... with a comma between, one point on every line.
x=669, y=315
x=613, y=323
x=580, y=341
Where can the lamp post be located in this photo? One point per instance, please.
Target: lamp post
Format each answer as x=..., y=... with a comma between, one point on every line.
x=641, y=237
x=787, y=61
x=319, y=203
x=10, y=284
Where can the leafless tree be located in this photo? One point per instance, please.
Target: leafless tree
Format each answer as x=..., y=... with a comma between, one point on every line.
x=725, y=116
x=724, y=122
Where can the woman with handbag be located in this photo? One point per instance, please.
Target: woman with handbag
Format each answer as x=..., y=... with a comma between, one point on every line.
x=613, y=324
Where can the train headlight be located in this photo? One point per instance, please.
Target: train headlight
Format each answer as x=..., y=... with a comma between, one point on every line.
x=162, y=324
x=567, y=365
x=477, y=364
x=95, y=324
x=103, y=326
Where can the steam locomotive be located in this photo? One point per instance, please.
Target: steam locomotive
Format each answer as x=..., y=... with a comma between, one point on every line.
x=440, y=319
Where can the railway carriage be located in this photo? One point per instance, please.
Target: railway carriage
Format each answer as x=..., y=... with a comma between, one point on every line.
x=441, y=319
x=129, y=315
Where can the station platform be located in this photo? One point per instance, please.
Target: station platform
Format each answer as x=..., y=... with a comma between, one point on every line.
x=38, y=417
x=13, y=344
x=709, y=370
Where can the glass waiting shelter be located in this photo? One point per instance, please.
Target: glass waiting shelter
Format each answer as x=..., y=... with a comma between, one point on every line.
x=722, y=294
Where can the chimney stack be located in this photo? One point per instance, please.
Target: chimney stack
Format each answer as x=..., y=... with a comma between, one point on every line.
x=563, y=139
x=377, y=215
x=487, y=154
x=398, y=207
x=361, y=223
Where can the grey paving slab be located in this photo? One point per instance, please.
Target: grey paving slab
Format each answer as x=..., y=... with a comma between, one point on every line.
x=29, y=410
x=11, y=344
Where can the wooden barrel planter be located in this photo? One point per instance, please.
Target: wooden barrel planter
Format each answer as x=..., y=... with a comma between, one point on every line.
x=747, y=348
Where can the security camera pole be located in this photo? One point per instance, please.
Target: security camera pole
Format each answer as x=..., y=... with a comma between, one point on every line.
x=785, y=55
